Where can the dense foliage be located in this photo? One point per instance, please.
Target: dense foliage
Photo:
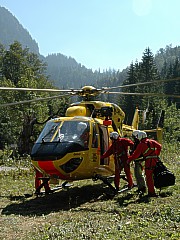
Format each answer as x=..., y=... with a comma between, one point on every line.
x=151, y=107
x=19, y=68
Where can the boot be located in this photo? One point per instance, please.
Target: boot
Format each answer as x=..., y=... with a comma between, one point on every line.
x=152, y=195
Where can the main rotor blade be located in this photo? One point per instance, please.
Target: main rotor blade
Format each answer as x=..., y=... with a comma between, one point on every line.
x=33, y=100
x=37, y=89
x=141, y=84
x=145, y=94
x=81, y=91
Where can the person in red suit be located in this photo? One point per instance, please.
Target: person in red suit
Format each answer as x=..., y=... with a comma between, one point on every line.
x=38, y=182
x=119, y=148
x=150, y=150
x=138, y=166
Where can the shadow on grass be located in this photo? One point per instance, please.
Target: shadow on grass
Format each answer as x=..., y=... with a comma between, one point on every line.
x=166, y=194
x=129, y=199
x=62, y=200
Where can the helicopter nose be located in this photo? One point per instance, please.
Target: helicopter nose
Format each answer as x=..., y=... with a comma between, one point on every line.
x=50, y=169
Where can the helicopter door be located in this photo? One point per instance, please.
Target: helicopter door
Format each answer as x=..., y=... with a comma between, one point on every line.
x=95, y=136
x=94, y=143
x=104, y=143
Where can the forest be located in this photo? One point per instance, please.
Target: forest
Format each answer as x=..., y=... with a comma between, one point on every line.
x=20, y=125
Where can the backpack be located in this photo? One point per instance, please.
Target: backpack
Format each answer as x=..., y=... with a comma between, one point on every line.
x=162, y=176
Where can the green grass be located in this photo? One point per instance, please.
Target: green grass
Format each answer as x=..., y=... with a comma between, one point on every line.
x=85, y=211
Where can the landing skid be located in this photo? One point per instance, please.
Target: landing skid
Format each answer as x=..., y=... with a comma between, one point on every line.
x=45, y=181
x=105, y=180
x=126, y=189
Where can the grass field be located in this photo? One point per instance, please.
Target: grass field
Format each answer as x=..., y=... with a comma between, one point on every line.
x=85, y=210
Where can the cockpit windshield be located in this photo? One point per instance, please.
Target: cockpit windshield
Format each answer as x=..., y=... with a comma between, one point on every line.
x=50, y=129
x=65, y=131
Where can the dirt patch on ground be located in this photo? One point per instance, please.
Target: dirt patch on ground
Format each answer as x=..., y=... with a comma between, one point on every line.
x=5, y=169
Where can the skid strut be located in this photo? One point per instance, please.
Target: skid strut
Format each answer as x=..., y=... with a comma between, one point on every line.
x=105, y=180
x=45, y=181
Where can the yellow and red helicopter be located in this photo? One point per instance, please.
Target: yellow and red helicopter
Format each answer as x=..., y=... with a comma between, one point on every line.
x=69, y=148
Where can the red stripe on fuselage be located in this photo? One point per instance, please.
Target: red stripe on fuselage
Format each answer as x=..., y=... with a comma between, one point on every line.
x=50, y=169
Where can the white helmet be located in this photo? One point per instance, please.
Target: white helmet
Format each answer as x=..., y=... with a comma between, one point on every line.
x=114, y=135
x=142, y=135
x=81, y=126
x=135, y=133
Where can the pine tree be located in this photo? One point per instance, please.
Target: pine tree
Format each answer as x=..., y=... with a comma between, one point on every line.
x=128, y=101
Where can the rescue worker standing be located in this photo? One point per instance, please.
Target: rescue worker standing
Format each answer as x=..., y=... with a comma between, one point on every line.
x=150, y=150
x=119, y=149
x=138, y=167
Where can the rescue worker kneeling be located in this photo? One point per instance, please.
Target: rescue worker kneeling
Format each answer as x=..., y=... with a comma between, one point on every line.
x=119, y=149
x=150, y=150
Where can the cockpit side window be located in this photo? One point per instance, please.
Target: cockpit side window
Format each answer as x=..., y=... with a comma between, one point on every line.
x=83, y=133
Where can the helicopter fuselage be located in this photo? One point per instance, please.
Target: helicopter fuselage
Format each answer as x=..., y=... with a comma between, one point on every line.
x=64, y=152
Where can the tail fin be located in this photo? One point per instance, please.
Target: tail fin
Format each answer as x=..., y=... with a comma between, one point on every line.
x=160, y=125
x=135, y=121
x=161, y=119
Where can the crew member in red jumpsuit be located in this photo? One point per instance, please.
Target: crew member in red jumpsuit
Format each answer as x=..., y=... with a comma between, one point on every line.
x=119, y=149
x=38, y=182
x=150, y=149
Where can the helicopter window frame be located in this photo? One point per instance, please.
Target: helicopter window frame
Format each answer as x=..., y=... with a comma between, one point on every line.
x=95, y=136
